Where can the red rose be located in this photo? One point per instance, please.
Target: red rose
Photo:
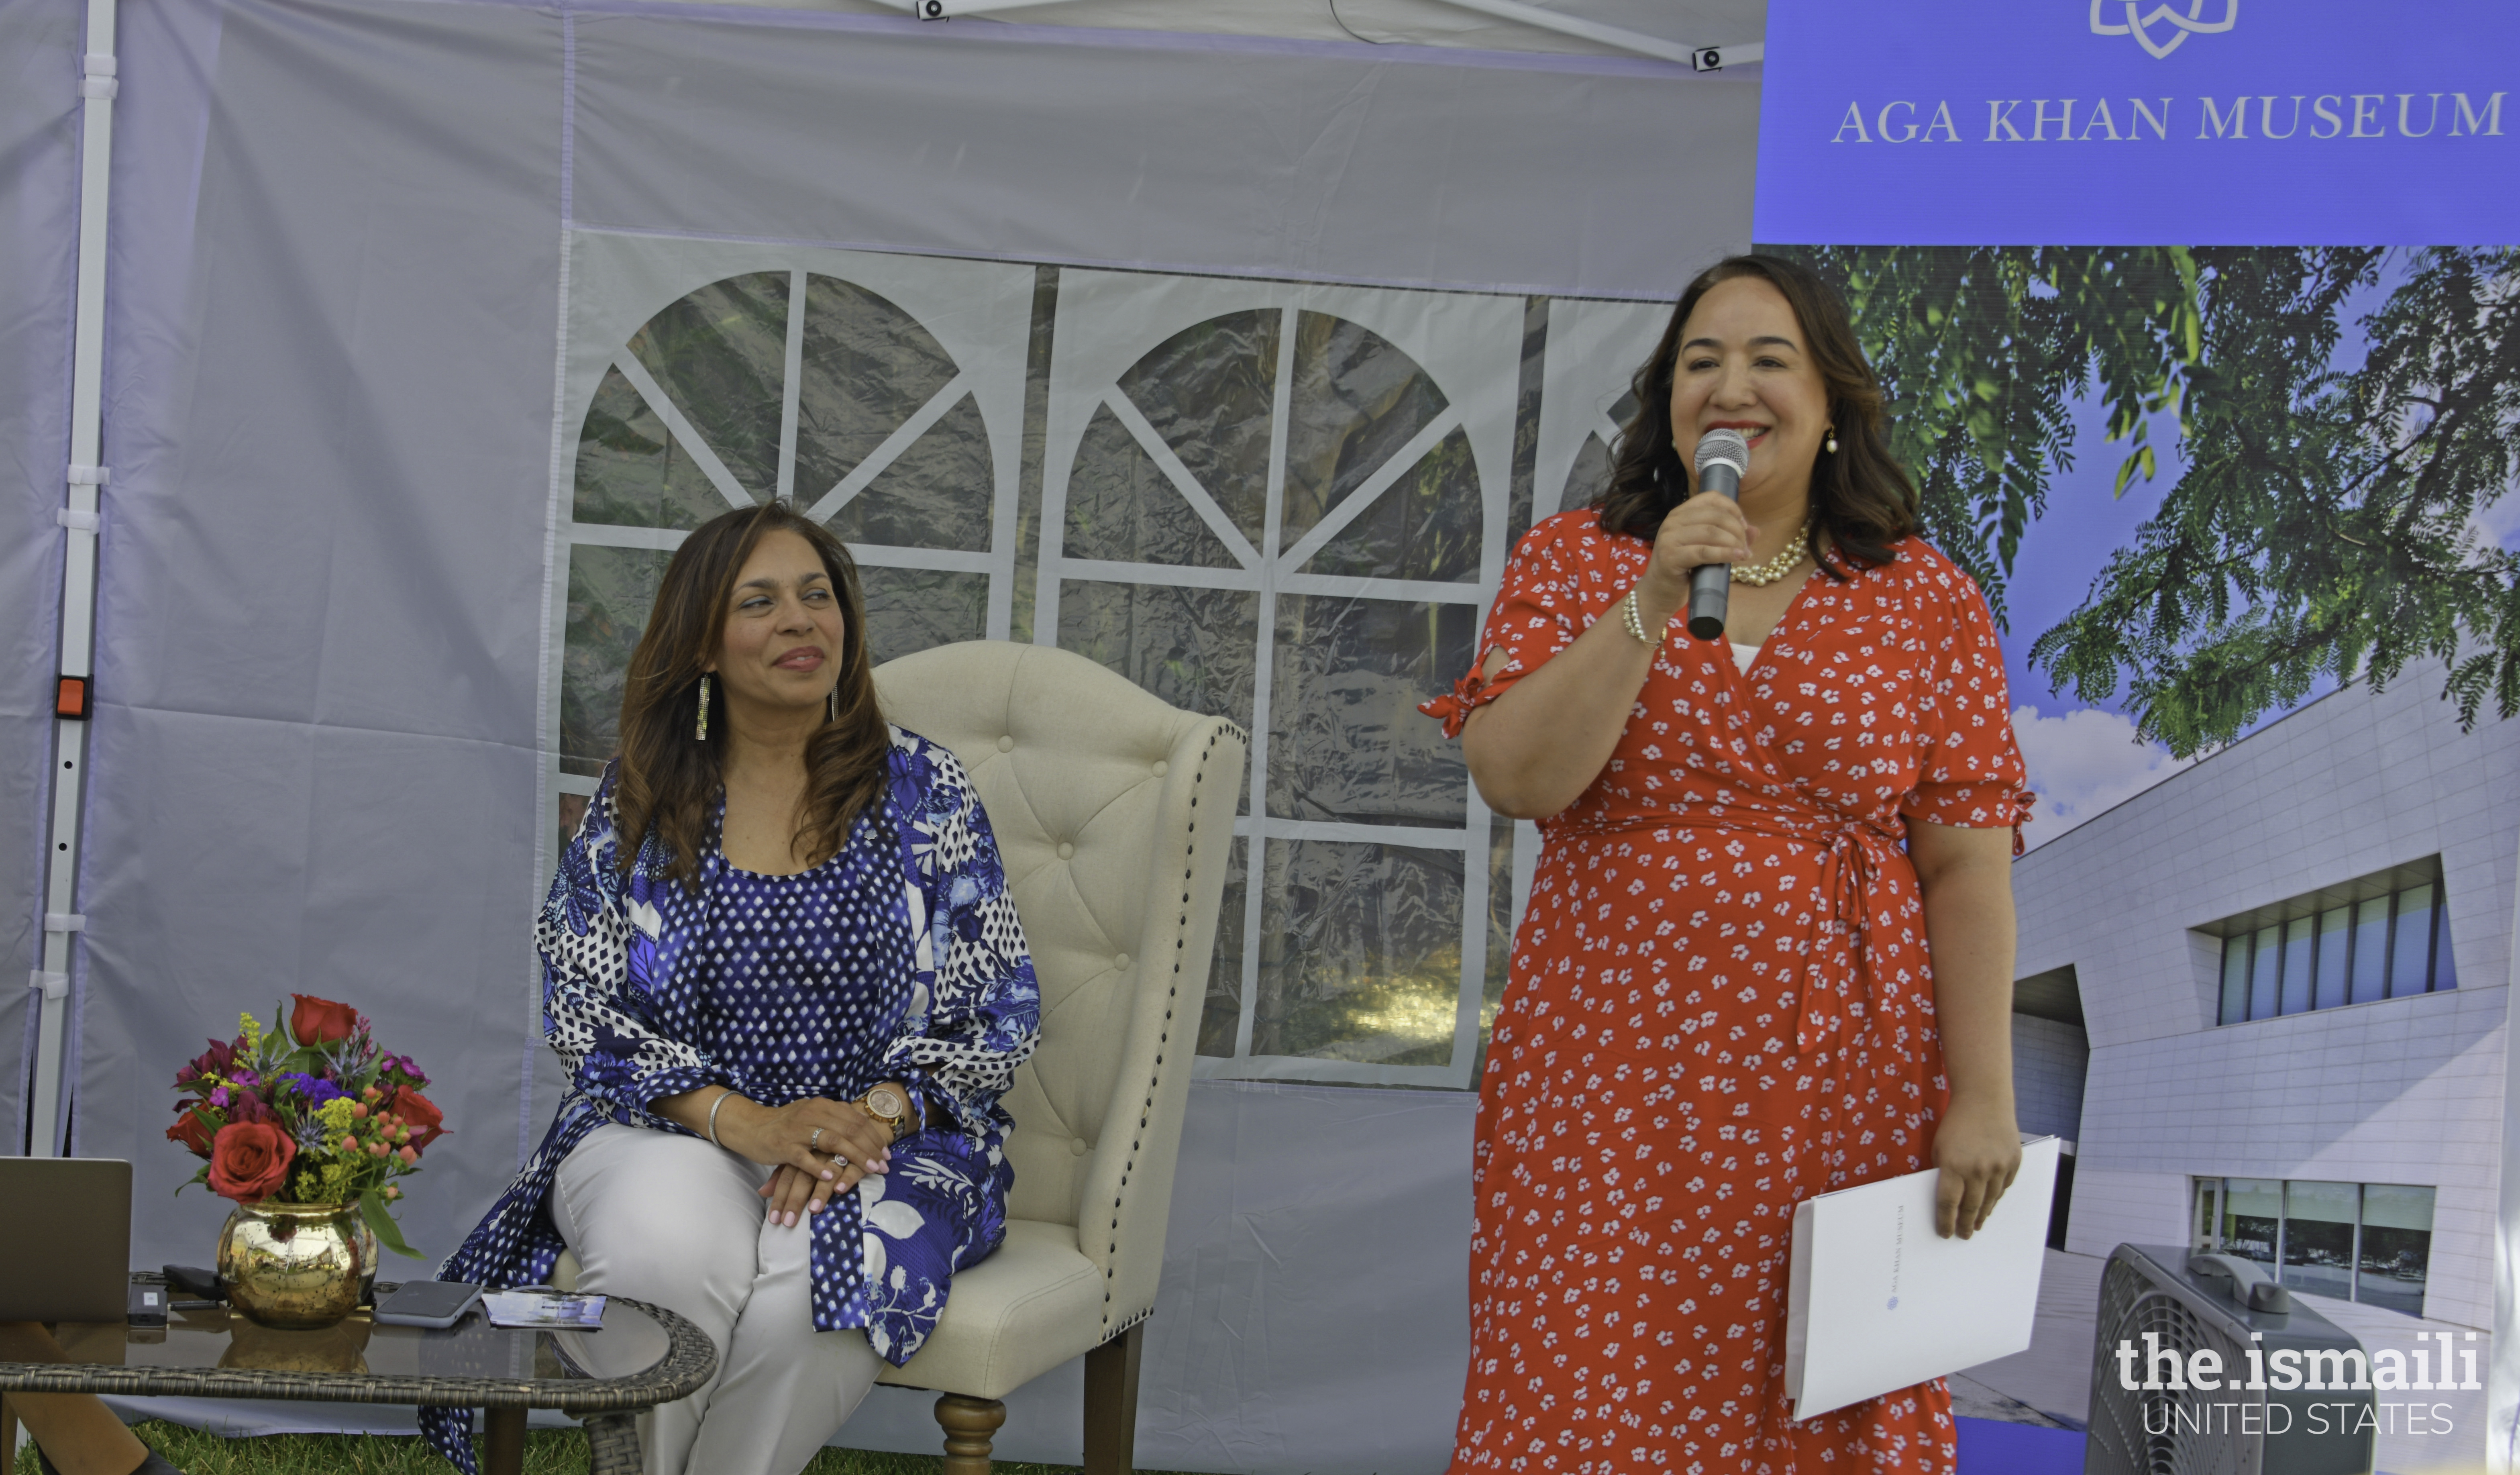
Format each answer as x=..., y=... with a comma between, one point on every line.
x=428, y=1123
x=321, y=1021
x=191, y=1131
x=250, y=1161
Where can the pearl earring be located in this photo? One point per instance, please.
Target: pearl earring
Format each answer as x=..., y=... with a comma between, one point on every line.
x=701, y=733
x=1830, y=444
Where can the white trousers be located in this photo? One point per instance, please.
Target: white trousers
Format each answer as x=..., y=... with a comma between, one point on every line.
x=671, y=1220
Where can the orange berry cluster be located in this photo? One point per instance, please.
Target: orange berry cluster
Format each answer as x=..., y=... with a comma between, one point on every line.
x=379, y=1132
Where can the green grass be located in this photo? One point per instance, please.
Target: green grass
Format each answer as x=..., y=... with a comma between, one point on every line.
x=558, y=1452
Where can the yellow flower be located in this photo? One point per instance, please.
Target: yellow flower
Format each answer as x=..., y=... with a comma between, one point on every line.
x=334, y=1183
x=335, y=1114
x=251, y=1031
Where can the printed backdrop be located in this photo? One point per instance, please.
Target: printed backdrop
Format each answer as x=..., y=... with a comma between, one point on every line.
x=2247, y=438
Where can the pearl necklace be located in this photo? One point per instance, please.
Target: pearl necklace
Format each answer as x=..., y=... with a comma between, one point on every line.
x=1760, y=576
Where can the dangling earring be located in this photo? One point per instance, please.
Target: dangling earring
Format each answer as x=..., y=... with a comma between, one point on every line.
x=1830, y=445
x=831, y=704
x=701, y=733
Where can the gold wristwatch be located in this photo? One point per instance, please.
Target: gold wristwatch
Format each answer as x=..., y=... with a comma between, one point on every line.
x=887, y=1104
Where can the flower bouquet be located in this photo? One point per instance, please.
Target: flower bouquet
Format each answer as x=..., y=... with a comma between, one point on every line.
x=311, y=1111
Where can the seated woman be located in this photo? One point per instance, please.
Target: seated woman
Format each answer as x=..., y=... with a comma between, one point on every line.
x=782, y=966
x=74, y=1433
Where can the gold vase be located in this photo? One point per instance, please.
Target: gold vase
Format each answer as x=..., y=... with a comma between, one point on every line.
x=295, y=1264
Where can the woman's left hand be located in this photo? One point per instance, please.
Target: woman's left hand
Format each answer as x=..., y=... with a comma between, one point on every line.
x=1978, y=1147
x=793, y=1194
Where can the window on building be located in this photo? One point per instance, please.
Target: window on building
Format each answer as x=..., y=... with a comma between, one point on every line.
x=2384, y=936
x=2368, y=1242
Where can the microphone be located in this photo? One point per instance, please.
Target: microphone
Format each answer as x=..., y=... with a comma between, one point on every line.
x=1722, y=457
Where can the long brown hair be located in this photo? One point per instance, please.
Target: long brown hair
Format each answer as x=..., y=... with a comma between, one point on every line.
x=1861, y=497
x=669, y=777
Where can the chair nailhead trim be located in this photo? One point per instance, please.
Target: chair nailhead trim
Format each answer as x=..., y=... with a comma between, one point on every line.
x=1180, y=942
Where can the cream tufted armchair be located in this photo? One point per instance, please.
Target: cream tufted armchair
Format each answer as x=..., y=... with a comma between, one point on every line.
x=1114, y=816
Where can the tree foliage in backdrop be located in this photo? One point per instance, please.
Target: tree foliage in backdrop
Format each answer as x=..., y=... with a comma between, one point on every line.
x=2323, y=518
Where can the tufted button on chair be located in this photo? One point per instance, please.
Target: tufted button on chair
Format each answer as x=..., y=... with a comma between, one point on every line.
x=1114, y=815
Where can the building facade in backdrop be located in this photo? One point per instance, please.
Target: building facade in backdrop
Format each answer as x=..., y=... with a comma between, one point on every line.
x=2266, y=1001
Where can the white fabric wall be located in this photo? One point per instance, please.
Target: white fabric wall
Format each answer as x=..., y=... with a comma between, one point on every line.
x=39, y=135
x=322, y=581
x=1593, y=177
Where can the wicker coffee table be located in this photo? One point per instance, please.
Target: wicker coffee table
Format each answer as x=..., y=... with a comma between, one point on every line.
x=648, y=1355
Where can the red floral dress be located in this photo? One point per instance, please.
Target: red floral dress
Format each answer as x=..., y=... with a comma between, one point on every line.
x=1720, y=1005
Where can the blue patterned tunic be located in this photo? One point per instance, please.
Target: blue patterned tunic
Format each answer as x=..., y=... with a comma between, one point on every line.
x=900, y=957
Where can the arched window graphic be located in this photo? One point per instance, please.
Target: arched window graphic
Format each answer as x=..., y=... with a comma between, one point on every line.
x=1594, y=351
x=815, y=379
x=1283, y=504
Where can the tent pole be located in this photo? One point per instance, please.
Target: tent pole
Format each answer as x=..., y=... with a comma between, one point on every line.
x=84, y=476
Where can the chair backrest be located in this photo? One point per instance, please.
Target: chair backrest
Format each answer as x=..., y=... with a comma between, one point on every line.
x=1114, y=816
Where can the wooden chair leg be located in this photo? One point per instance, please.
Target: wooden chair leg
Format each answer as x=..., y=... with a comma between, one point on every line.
x=967, y=1423
x=1111, y=1406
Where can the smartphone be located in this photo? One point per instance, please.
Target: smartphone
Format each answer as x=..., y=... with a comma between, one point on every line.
x=200, y=1284
x=426, y=1303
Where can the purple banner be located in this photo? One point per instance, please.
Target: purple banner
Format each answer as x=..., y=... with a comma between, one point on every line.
x=2103, y=122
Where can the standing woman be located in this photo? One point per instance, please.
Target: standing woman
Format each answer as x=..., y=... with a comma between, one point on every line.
x=782, y=969
x=1768, y=947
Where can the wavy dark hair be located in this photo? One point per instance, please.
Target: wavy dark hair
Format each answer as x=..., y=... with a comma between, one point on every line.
x=668, y=777
x=1862, y=498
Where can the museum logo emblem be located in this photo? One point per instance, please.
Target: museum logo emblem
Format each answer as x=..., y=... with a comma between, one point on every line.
x=2140, y=25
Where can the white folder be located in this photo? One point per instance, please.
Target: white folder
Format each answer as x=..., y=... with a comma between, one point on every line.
x=1877, y=1301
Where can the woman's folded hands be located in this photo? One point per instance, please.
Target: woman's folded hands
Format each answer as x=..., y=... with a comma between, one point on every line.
x=819, y=1146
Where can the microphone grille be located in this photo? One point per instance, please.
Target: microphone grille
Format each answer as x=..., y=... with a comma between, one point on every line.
x=1724, y=447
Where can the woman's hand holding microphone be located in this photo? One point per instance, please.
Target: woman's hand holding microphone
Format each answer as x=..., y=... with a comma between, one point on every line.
x=1703, y=529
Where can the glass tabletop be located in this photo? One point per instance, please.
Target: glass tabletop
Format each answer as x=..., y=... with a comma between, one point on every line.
x=630, y=1344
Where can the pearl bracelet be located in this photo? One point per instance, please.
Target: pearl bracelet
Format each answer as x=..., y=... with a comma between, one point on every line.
x=1636, y=620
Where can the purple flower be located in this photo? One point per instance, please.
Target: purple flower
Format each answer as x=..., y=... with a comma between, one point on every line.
x=314, y=1090
x=219, y=1098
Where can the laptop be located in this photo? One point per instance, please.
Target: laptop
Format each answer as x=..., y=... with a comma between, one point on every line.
x=65, y=1239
